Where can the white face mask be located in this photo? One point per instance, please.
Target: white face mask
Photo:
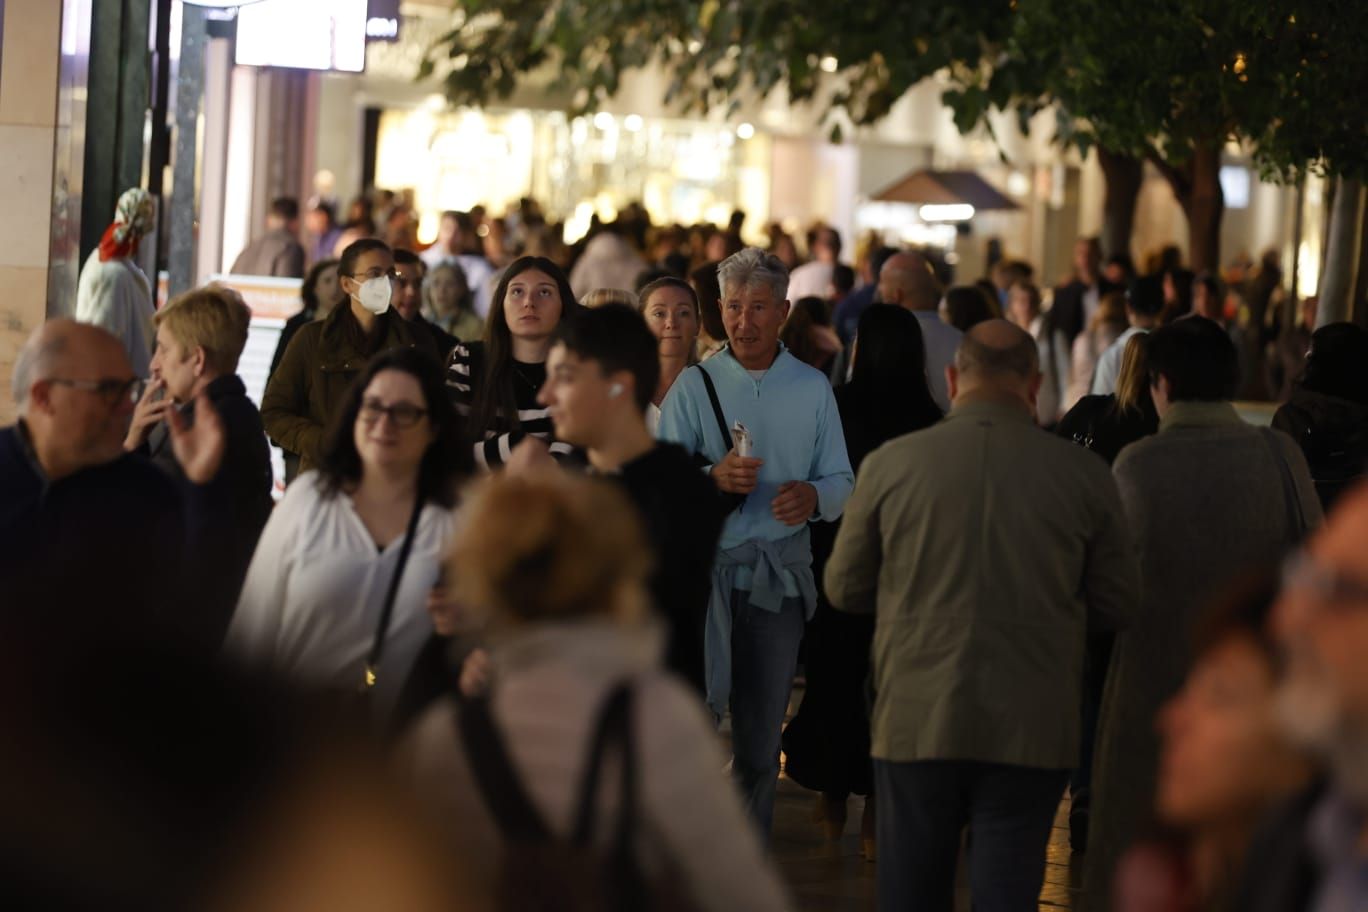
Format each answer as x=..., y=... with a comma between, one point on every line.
x=374, y=294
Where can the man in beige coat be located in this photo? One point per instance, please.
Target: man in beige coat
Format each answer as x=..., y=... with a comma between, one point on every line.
x=984, y=546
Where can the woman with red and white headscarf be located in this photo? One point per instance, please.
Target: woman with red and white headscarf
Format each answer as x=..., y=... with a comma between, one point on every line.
x=113, y=292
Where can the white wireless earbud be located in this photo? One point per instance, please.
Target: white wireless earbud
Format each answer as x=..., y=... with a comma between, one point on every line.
x=615, y=390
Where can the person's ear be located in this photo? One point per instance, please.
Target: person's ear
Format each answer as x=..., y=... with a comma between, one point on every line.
x=201, y=359
x=952, y=381
x=40, y=396
x=784, y=310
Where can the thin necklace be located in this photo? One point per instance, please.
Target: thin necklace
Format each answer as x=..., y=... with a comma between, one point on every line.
x=523, y=377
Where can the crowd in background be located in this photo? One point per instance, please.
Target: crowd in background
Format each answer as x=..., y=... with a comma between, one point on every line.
x=558, y=515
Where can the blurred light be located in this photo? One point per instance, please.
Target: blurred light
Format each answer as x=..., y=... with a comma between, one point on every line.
x=951, y=258
x=726, y=139
x=695, y=46
x=1308, y=269
x=633, y=123
x=830, y=64
x=1018, y=184
x=745, y=131
x=1241, y=62
x=435, y=102
x=946, y=212
x=603, y=120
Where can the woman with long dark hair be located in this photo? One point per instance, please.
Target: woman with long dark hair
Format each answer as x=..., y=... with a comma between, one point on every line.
x=827, y=743
x=494, y=383
x=377, y=513
x=325, y=357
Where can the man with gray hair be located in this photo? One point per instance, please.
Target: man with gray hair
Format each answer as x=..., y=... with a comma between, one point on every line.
x=767, y=428
x=984, y=547
x=91, y=538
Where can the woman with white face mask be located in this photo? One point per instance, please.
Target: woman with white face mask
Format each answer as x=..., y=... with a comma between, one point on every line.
x=325, y=357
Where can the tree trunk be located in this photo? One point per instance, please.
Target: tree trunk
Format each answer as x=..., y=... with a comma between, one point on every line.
x=1205, y=206
x=1342, y=245
x=1124, y=175
x=1197, y=187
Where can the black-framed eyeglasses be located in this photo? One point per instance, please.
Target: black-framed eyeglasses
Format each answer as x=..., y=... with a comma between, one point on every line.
x=377, y=273
x=403, y=415
x=1300, y=572
x=112, y=390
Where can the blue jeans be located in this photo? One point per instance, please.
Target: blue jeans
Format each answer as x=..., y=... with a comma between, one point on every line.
x=922, y=808
x=764, y=659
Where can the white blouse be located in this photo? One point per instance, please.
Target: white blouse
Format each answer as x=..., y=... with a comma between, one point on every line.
x=316, y=586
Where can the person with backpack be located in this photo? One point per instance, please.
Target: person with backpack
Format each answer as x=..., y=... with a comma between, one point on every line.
x=587, y=776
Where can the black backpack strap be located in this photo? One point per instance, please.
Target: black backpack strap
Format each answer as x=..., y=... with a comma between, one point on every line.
x=494, y=775
x=717, y=409
x=614, y=725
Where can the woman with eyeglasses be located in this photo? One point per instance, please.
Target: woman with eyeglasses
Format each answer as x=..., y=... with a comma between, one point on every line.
x=494, y=384
x=324, y=358
x=375, y=516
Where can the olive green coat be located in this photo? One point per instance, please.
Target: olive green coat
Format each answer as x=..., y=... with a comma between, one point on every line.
x=311, y=381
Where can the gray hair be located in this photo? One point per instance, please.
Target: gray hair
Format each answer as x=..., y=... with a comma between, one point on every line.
x=36, y=360
x=750, y=268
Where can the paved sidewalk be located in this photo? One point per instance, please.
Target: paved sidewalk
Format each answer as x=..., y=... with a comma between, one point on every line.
x=834, y=877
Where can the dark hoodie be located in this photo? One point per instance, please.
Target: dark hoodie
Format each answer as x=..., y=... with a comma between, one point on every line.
x=1333, y=434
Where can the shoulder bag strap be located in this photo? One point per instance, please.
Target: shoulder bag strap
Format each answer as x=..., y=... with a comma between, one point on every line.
x=382, y=628
x=1296, y=516
x=717, y=409
x=614, y=720
x=494, y=775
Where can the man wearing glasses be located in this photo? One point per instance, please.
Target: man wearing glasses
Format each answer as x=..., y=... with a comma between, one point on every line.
x=92, y=538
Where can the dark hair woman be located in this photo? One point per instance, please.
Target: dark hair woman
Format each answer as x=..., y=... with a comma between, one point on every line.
x=1224, y=763
x=379, y=507
x=1327, y=413
x=494, y=383
x=827, y=743
x=320, y=293
x=325, y=357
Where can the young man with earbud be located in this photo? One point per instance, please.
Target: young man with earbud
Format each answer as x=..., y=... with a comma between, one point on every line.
x=600, y=376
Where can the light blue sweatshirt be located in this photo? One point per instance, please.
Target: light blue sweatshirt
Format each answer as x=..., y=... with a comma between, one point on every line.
x=792, y=418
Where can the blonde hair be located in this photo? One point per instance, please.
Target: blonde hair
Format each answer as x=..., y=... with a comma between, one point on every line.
x=602, y=296
x=1132, y=383
x=213, y=318
x=550, y=546
x=1111, y=312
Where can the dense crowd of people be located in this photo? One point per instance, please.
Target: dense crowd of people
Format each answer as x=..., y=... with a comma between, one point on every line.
x=559, y=533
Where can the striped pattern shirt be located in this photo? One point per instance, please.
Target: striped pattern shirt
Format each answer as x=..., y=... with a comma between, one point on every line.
x=495, y=443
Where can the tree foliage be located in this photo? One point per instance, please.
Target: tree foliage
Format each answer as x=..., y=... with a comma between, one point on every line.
x=1163, y=78
x=714, y=52
x=1156, y=78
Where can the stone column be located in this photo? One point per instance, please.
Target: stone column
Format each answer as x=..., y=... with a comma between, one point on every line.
x=31, y=68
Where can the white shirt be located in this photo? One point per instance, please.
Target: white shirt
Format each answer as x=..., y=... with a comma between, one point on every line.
x=114, y=294
x=811, y=280
x=316, y=587
x=477, y=269
x=941, y=341
x=652, y=418
x=1109, y=365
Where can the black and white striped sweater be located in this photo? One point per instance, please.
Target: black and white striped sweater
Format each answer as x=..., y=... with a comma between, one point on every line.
x=495, y=442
